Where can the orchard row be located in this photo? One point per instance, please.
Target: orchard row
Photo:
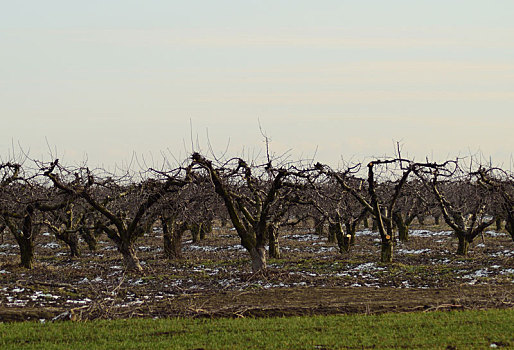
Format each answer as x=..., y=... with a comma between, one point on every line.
x=256, y=199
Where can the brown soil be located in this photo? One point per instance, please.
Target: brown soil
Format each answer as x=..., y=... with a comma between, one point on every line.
x=214, y=279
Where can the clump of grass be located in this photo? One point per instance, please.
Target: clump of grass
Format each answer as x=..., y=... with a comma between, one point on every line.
x=463, y=329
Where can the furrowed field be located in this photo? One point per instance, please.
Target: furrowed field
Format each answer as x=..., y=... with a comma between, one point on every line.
x=214, y=279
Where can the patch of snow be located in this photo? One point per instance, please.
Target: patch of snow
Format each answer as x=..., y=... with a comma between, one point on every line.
x=236, y=247
x=305, y=237
x=39, y=294
x=366, y=232
x=477, y=274
x=406, y=284
x=51, y=245
x=367, y=267
x=495, y=234
x=8, y=246
x=504, y=253
x=419, y=251
x=7, y=254
x=426, y=233
x=341, y=274
x=441, y=261
x=79, y=302
x=17, y=303
x=202, y=248
x=175, y=283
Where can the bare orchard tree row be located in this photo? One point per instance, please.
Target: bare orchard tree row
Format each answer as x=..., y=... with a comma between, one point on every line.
x=257, y=199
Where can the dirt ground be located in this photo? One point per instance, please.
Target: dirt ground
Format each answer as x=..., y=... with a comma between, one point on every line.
x=215, y=280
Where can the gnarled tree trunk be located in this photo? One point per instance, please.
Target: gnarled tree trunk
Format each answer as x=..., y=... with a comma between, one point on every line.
x=318, y=226
x=73, y=244
x=89, y=236
x=343, y=240
x=205, y=228
x=386, y=251
x=498, y=224
x=71, y=240
x=258, y=256
x=509, y=226
x=24, y=237
x=463, y=245
x=26, y=252
x=351, y=230
x=130, y=258
x=195, y=232
x=403, y=229
x=273, y=245
x=172, y=239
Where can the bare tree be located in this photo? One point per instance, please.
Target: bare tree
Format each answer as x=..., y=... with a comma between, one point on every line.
x=124, y=207
x=23, y=199
x=380, y=204
x=66, y=224
x=252, y=197
x=411, y=204
x=187, y=209
x=342, y=211
x=502, y=184
x=463, y=202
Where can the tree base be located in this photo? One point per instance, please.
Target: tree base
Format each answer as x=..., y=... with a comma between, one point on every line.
x=258, y=256
x=130, y=259
x=386, y=253
x=463, y=247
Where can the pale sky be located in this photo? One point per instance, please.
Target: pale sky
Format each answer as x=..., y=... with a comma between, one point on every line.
x=346, y=78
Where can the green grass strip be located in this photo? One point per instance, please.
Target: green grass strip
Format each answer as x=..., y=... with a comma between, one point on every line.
x=436, y=330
